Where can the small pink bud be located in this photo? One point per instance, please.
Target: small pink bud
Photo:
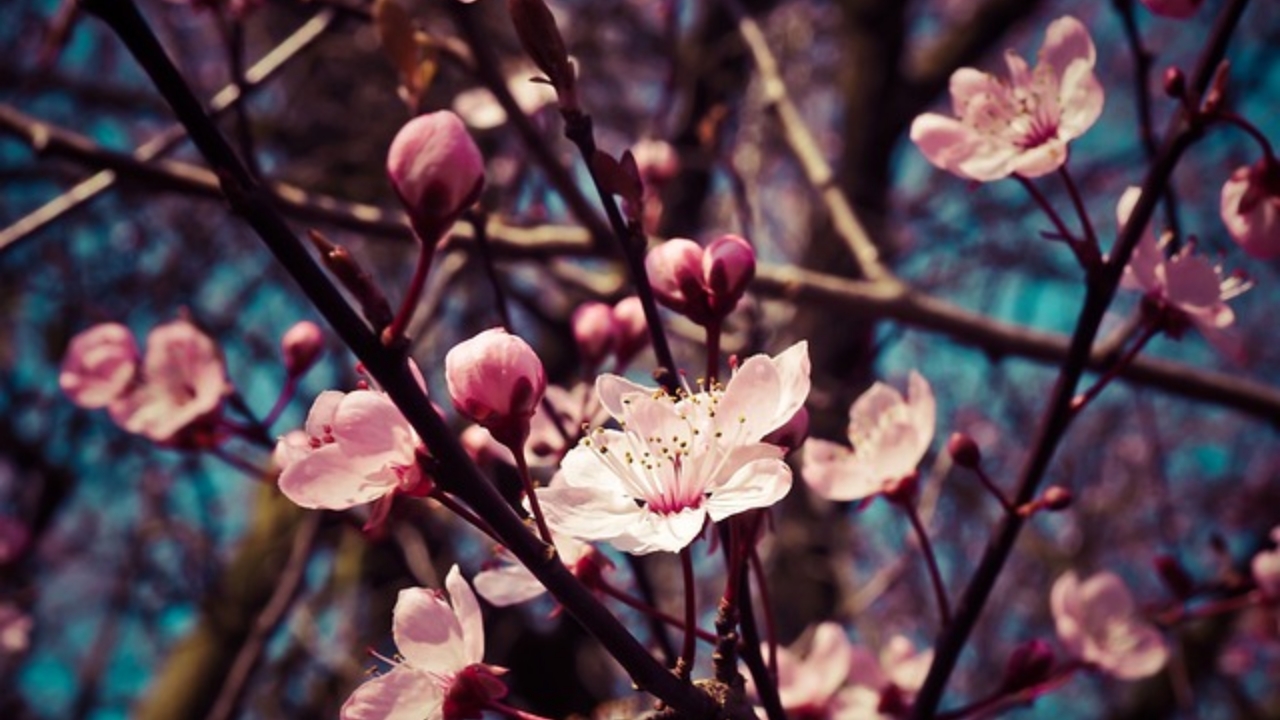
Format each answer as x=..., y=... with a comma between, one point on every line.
x=964, y=451
x=99, y=365
x=729, y=265
x=594, y=329
x=631, y=328
x=1175, y=83
x=301, y=346
x=1030, y=664
x=1056, y=498
x=675, y=273
x=497, y=380
x=437, y=171
x=1179, y=9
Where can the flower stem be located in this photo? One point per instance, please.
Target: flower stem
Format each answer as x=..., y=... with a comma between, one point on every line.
x=766, y=610
x=994, y=489
x=1077, y=201
x=523, y=466
x=689, y=650
x=452, y=505
x=394, y=332
x=930, y=559
x=713, y=351
x=1079, y=401
x=641, y=606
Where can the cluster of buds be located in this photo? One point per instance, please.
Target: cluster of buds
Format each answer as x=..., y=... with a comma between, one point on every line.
x=601, y=330
x=704, y=285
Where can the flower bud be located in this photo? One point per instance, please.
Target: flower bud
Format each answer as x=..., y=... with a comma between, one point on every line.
x=497, y=380
x=964, y=451
x=99, y=365
x=1056, y=498
x=594, y=330
x=728, y=265
x=675, y=273
x=437, y=171
x=1030, y=664
x=1250, y=208
x=301, y=346
x=630, y=328
x=1175, y=83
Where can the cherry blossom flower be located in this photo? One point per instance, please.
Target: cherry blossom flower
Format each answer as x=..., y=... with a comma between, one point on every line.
x=1020, y=126
x=1250, y=209
x=678, y=461
x=1098, y=623
x=437, y=171
x=1173, y=8
x=1185, y=288
x=442, y=674
x=496, y=379
x=890, y=435
x=508, y=582
x=182, y=388
x=1266, y=568
x=99, y=365
x=358, y=449
x=838, y=680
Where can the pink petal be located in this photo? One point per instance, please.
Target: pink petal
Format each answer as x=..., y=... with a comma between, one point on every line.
x=870, y=408
x=668, y=533
x=756, y=484
x=99, y=364
x=588, y=514
x=1039, y=160
x=327, y=478
x=507, y=585
x=829, y=660
x=368, y=425
x=614, y=390
x=468, y=612
x=1144, y=657
x=1065, y=606
x=1081, y=99
x=1067, y=41
x=401, y=694
x=950, y=144
x=968, y=84
x=320, y=418
x=835, y=473
x=428, y=633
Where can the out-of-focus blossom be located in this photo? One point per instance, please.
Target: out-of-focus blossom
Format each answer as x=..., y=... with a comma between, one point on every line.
x=1098, y=623
x=656, y=160
x=838, y=680
x=479, y=108
x=1185, y=288
x=1266, y=568
x=497, y=380
x=442, y=674
x=508, y=582
x=632, y=329
x=99, y=365
x=300, y=346
x=1251, y=209
x=890, y=435
x=437, y=171
x=14, y=536
x=183, y=385
x=358, y=449
x=703, y=285
x=1173, y=8
x=15, y=629
x=1020, y=126
x=595, y=332
x=679, y=461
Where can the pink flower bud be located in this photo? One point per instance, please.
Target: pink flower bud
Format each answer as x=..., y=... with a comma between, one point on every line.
x=656, y=160
x=631, y=328
x=728, y=266
x=301, y=346
x=99, y=365
x=595, y=331
x=437, y=171
x=1173, y=8
x=1251, y=209
x=675, y=273
x=497, y=380
x=964, y=451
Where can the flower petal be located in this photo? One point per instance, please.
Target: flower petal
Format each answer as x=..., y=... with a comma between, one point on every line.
x=327, y=478
x=835, y=473
x=427, y=632
x=468, y=612
x=756, y=484
x=402, y=694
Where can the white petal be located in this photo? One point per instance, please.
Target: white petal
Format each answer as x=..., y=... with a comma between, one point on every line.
x=588, y=514
x=401, y=694
x=507, y=585
x=427, y=632
x=467, y=610
x=757, y=484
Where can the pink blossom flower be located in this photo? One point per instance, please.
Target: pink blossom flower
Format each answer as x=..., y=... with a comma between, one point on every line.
x=678, y=461
x=1185, y=288
x=183, y=384
x=1021, y=126
x=1266, y=568
x=890, y=435
x=839, y=680
x=442, y=674
x=508, y=582
x=358, y=449
x=99, y=365
x=300, y=346
x=1098, y=623
x=702, y=285
x=497, y=380
x=15, y=629
x=1250, y=209
x=1173, y=8
x=437, y=171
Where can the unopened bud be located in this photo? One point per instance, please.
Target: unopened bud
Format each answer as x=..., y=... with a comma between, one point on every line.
x=301, y=345
x=497, y=380
x=594, y=331
x=1175, y=577
x=1030, y=664
x=437, y=171
x=1056, y=498
x=728, y=266
x=964, y=451
x=675, y=274
x=1175, y=83
x=631, y=328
